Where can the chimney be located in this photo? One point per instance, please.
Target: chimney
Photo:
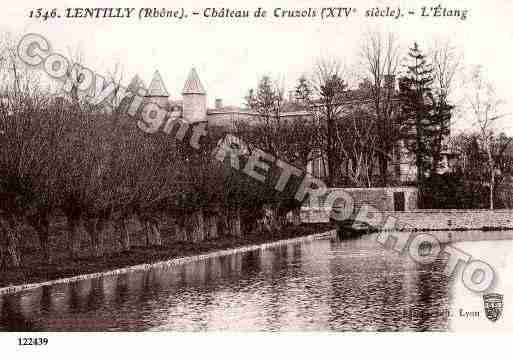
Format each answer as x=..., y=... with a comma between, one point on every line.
x=219, y=103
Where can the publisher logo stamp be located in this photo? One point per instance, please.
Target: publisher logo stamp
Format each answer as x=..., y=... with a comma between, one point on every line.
x=493, y=306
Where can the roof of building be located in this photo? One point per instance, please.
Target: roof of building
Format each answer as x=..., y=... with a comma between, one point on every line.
x=193, y=84
x=157, y=87
x=135, y=84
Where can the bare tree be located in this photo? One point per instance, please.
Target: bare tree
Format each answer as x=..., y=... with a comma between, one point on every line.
x=380, y=54
x=445, y=61
x=357, y=138
x=485, y=107
x=267, y=102
x=23, y=152
x=329, y=98
x=287, y=138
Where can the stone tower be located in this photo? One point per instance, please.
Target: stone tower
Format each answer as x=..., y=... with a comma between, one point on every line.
x=157, y=92
x=194, y=99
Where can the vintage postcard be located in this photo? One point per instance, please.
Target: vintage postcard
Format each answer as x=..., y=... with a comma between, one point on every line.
x=272, y=166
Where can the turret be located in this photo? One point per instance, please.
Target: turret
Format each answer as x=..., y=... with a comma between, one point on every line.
x=157, y=92
x=135, y=84
x=194, y=99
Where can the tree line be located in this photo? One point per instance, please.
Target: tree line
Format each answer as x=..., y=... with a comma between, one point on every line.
x=358, y=130
x=400, y=114
x=64, y=157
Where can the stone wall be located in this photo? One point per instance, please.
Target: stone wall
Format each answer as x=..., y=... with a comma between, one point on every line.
x=429, y=219
x=381, y=198
x=453, y=219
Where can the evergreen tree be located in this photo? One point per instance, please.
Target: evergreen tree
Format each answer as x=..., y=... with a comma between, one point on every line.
x=304, y=92
x=424, y=121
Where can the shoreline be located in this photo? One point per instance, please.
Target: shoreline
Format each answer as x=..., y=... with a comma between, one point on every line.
x=109, y=270
x=359, y=231
x=124, y=262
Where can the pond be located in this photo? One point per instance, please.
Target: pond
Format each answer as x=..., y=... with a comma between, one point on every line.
x=321, y=285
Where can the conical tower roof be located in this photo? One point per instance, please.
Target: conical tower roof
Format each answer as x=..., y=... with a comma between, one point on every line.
x=135, y=84
x=157, y=87
x=193, y=84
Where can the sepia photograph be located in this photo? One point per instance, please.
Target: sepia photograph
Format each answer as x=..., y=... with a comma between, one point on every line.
x=307, y=168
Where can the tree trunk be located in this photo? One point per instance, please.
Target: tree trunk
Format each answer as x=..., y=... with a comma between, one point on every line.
x=267, y=219
x=492, y=187
x=74, y=237
x=383, y=166
x=223, y=222
x=124, y=234
x=281, y=218
x=330, y=153
x=9, y=244
x=196, y=226
x=296, y=217
x=153, y=236
x=492, y=175
x=148, y=234
x=43, y=234
x=41, y=225
x=180, y=230
x=156, y=230
x=94, y=228
x=234, y=223
x=13, y=249
x=211, y=226
x=276, y=219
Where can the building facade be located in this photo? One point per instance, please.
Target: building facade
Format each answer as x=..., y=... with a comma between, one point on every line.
x=192, y=107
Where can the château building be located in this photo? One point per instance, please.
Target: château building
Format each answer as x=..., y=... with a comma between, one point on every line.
x=192, y=107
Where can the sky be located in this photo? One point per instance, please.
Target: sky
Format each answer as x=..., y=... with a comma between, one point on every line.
x=230, y=55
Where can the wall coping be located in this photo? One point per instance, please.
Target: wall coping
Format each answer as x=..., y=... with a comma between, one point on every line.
x=420, y=211
x=465, y=211
x=399, y=188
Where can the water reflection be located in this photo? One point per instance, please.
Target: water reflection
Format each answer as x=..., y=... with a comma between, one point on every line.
x=323, y=285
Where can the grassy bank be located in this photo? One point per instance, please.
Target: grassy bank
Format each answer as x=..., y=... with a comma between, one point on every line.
x=33, y=271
